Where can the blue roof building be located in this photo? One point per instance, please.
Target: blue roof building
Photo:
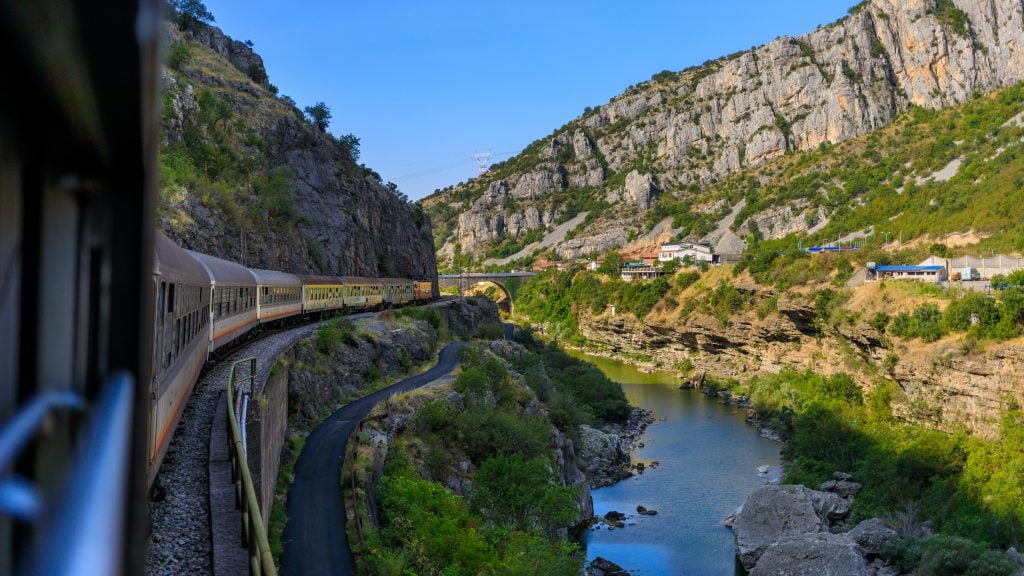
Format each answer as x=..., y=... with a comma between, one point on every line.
x=931, y=273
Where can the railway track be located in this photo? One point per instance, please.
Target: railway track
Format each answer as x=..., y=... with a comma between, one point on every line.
x=180, y=536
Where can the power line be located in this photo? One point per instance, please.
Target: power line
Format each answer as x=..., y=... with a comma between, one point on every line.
x=441, y=168
x=483, y=161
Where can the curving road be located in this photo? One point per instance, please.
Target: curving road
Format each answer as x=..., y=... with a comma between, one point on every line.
x=314, y=537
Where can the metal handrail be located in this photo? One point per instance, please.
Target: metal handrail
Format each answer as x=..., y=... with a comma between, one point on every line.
x=261, y=560
x=85, y=535
x=19, y=497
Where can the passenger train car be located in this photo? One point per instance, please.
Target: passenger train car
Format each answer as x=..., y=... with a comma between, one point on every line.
x=104, y=325
x=204, y=303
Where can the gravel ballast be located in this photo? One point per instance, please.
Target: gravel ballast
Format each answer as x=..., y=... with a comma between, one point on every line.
x=180, y=538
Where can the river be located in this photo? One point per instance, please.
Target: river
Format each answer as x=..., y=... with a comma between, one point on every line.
x=708, y=459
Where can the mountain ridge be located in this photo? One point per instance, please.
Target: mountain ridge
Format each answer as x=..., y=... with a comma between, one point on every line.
x=667, y=139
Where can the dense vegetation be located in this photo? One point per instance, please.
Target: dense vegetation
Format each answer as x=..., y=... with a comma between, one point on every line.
x=966, y=487
x=509, y=520
x=554, y=298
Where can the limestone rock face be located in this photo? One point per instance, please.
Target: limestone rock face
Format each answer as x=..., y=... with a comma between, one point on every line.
x=944, y=388
x=570, y=474
x=343, y=220
x=775, y=513
x=535, y=185
x=580, y=247
x=751, y=108
x=640, y=189
x=601, y=453
x=812, y=555
x=240, y=54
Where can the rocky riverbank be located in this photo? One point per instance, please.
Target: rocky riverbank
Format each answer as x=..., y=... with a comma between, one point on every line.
x=943, y=384
x=794, y=530
x=605, y=452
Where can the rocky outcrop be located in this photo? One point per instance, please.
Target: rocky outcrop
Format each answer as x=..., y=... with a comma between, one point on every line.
x=604, y=453
x=776, y=513
x=793, y=530
x=240, y=54
x=603, y=567
x=751, y=108
x=942, y=386
x=640, y=189
x=323, y=376
x=812, y=555
x=277, y=192
x=464, y=317
x=872, y=535
x=570, y=474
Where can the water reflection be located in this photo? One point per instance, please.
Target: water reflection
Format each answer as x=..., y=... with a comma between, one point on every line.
x=708, y=458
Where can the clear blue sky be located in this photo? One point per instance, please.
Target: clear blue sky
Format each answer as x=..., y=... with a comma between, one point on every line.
x=424, y=84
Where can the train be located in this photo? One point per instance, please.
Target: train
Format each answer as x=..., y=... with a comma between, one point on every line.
x=204, y=304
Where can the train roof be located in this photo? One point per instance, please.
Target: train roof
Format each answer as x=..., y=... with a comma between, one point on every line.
x=399, y=281
x=361, y=280
x=173, y=258
x=275, y=278
x=318, y=279
x=337, y=280
x=224, y=271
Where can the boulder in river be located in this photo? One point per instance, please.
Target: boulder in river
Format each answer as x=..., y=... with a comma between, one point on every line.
x=777, y=513
x=603, y=567
x=645, y=511
x=820, y=554
x=614, y=516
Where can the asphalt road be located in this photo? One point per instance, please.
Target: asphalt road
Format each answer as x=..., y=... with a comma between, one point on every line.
x=314, y=537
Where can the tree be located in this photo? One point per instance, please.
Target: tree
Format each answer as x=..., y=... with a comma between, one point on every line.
x=351, y=144
x=320, y=115
x=612, y=263
x=192, y=13
x=522, y=494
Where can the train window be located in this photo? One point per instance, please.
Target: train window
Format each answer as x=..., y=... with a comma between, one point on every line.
x=161, y=297
x=170, y=298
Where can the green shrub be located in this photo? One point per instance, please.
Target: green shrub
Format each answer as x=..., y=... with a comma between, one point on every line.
x=684, y=280
x=958, y=316
x=335, y=332
x=490, y=330
x=926, y=322
x=879, y=321
x=433, y=415
x=178, y=55
x=901, y=326
x=429, y=315
x=951, y=556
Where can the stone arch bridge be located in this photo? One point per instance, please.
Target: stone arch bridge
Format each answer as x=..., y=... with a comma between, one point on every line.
x=507, y=282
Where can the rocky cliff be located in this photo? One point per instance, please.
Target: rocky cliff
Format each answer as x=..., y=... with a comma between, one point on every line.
x=666, y=140
x=245, y=176
x=942, y=385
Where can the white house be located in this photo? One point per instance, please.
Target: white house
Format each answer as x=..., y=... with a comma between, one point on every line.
x=699, y=252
